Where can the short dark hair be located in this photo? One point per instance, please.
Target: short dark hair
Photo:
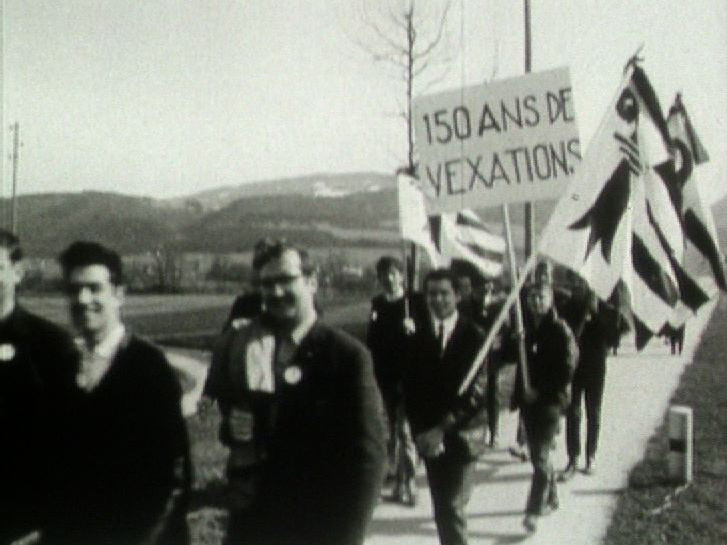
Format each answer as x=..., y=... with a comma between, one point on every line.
x=274, y=249
x=83, y=253
x=436, y=275
x=386, y=262
x=11, y=243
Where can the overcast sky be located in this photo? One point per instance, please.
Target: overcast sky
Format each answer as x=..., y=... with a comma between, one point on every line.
x=168, y=97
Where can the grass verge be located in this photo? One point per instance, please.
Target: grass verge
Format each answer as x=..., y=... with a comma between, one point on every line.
x=652, y=510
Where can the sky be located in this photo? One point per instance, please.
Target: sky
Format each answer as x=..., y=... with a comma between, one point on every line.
x=168, y=97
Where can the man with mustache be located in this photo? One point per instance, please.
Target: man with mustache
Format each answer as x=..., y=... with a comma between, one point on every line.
x=304, y=418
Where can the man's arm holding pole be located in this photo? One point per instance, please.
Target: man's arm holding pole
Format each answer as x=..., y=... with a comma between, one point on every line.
x=499, y=321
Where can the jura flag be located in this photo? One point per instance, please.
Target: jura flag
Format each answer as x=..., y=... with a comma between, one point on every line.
x=617, y=222
x=699, y=229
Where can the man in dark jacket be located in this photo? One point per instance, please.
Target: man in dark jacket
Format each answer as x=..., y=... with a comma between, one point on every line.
x=448, y=427
x=391, y=320
x=122, y=455
x=36, y=359
x=304, y=417
x=551, y=359
x=594, y=324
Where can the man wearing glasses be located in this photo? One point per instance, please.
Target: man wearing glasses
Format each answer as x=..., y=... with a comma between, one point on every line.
x=302, y=416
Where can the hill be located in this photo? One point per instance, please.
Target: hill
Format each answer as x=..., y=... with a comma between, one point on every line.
x=315, y=185
x=323, y=211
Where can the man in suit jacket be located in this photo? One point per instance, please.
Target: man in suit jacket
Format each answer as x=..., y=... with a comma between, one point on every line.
x=594, y=324
x=448, y=427
x=122, y=452
x=35, y=356
x=304, y=418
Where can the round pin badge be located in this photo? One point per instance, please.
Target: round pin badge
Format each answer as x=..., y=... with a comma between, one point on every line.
x=293, y=374
x=7, y=352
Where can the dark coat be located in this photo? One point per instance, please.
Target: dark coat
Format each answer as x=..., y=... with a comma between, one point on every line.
x=552, y=354
x=431, y=382
x=123, y=470
x=596, y=327
x=36, y=358
x=321, y=440
x=387, y=339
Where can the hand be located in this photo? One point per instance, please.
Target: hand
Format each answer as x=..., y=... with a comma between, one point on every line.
x=241, y=425
x=431, y=442
x=409, y=327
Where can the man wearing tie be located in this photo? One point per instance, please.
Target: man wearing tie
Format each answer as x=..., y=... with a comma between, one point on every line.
x=302, y=415
x=448, y=427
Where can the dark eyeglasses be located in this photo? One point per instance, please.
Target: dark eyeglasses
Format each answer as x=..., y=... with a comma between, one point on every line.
x=282, y=280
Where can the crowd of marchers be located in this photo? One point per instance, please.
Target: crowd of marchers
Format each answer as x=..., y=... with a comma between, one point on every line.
x=319, y=425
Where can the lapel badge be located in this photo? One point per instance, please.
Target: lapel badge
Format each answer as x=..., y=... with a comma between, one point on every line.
x=292, y=375
x=7, y=352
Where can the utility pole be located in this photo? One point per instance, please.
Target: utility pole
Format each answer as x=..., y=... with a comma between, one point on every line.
x=529, y=206
x=15, y=127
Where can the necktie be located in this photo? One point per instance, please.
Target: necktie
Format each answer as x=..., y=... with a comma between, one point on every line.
x=440, y=338
x=284, y=351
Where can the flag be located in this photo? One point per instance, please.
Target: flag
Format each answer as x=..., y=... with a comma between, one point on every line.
x=618, y=225
x=448, y=236
x=698, y=222
x=464, y=236
x=413, y=221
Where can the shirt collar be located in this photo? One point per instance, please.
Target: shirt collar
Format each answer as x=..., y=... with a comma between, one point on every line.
x=109, y=345
x=448, y=322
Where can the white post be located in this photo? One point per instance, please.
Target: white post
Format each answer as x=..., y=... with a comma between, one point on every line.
x=680, y=443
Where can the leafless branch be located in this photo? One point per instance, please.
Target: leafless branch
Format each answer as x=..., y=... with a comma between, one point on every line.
x=440, y=31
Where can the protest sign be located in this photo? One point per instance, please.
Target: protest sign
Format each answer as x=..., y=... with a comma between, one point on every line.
x=512, y=140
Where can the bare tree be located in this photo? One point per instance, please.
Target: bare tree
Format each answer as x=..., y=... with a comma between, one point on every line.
x=410, y=37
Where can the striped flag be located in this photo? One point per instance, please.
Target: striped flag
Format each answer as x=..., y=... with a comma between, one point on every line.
x=618, y=224
x=448, y=236
x=464, y=236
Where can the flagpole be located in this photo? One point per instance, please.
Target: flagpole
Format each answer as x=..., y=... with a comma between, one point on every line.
x=519, y=327
x=529, y=206
x=407, y=283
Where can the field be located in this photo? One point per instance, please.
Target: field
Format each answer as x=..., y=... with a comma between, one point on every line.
x=192, y=320
x=654, y=511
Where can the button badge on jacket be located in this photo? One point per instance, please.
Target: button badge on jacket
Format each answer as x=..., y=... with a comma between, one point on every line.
x=7, y=352
x=293, y=375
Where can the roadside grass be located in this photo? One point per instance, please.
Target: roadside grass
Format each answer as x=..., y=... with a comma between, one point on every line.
x=652, y=510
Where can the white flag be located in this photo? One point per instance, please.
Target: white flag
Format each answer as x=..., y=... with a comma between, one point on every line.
x=413, y=222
